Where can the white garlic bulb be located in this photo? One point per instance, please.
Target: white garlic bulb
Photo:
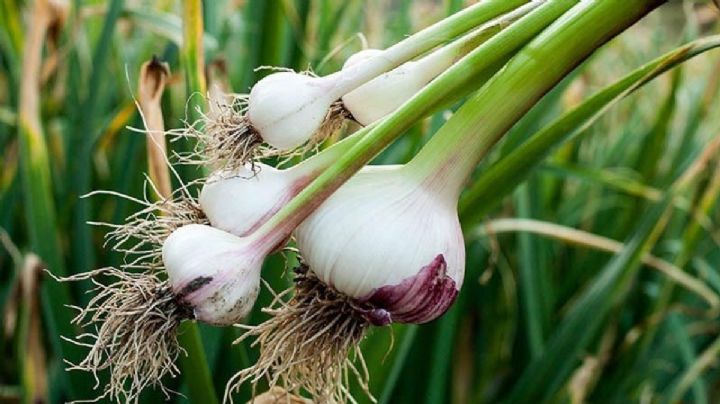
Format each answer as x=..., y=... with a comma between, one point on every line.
x=384, y=94
x=239, y=201
x=213, y=273
x=390, y=241
x=286, y=108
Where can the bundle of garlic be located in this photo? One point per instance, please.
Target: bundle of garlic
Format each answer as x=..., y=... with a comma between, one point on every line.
x=212, y=276
x=387, y=245
x=286, y=110
x=346, y=285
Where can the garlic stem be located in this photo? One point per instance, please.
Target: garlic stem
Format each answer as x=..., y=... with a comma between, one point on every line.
x=452, y=154
x=450, y=157
x=375, y=139
x=430, y=37
x=381, y=96
x=439, y=60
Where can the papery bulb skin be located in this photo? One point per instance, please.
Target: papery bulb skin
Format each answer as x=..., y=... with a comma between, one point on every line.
x=287, y=108
x=387, y=241
x=381, y=96
x=214, y=273
x=240, y=200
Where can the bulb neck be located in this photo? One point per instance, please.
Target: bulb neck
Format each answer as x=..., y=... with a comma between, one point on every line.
x=268, y=236
x=439, y=60
x=353, y=77
x=450, y=157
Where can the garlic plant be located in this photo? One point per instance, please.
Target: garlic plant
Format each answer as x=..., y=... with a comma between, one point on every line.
x=212, y=276
x=286, y=110
x=217, y=284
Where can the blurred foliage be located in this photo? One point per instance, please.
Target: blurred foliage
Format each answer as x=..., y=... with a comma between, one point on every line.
x=653, y=342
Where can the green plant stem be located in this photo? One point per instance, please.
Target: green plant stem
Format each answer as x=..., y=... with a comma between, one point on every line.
x=687, y=354
x=441, y=366
x=297, y=35
x=530, y=279
x=400, y=359
x=501, y=178
x=193, y=56
x=453, y=153
x=430, y=37
x=194, y=365
x=705, y=360
x=272, y=36
x=375, y=139
x=442, y=58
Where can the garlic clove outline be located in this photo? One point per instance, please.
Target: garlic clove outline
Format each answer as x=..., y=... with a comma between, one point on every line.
x=417, y=299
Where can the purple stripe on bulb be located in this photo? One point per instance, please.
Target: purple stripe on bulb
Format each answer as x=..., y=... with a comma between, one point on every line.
x=417, y=299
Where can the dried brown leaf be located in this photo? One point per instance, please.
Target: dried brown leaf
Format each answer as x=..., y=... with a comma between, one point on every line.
x=153, y=77
x=34, y=359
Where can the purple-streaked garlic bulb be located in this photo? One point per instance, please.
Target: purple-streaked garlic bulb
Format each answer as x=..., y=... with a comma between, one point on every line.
x=389, y=242
x=213, y=273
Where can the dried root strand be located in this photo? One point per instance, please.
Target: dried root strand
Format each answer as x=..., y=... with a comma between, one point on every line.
x=334, y=121
x=224, y=137
x=132, y=324
x=141, y=237
x=311, y=344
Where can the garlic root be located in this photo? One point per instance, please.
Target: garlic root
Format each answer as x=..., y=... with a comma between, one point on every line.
x=309, y=343
x=134, y=322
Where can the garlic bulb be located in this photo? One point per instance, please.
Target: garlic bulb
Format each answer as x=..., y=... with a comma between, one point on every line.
x=381, y=96
x=240, y=200
x=287, y=108
x=388, y=240
x=213, y=273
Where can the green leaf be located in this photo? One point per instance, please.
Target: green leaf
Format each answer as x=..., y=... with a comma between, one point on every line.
x=166, y=25
x=587, y=313
x=502, y=177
